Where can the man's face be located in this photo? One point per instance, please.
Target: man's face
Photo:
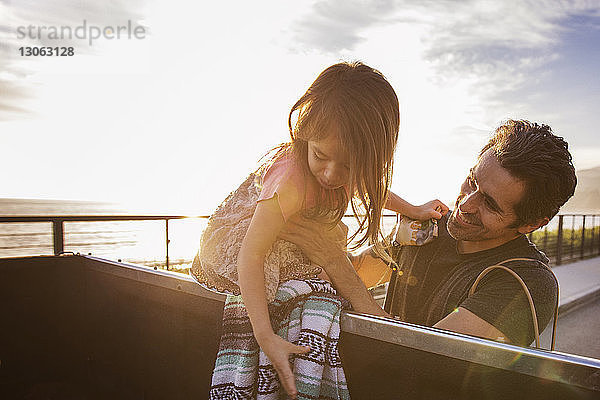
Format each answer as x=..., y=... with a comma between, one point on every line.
x=484, y=211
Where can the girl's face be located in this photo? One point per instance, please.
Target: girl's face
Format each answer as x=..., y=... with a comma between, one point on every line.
x=328, y=162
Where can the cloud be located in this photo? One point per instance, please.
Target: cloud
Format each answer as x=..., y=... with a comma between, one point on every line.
x=499, y=44
x=15, y=69
x=334, y=26
x=501, y=41
x=12, y=94
x=71, y=12
x=331, y=26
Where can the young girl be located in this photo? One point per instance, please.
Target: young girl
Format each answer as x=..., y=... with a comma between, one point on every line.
x=341, y=150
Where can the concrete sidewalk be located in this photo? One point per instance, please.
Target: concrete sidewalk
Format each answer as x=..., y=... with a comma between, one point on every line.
x=579, y=283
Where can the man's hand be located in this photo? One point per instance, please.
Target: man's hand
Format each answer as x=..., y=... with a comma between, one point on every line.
x=278, y=351
x=327, y=248
x=320, y=242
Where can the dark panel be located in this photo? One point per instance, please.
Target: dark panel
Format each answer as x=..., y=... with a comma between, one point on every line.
x=163, y=341
x=37, y=323
x=380, y=370
x=74, y=327
x=70, y=330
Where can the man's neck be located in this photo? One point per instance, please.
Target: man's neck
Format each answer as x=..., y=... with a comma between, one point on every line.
x=468, y=247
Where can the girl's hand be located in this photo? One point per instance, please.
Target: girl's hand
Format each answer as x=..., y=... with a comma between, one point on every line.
x=432, y=209
x=279, y=350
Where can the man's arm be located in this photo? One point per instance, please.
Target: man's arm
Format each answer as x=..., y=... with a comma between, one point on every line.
x=500, y=300
x=350, y=286
x=464, y=321
x=327, y=248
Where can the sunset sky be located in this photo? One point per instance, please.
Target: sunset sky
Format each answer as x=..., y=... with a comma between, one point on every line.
x=174, y=121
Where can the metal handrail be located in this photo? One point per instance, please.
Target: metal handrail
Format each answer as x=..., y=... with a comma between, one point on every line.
x=58, y=234
x=59, y=220
x=561, y=250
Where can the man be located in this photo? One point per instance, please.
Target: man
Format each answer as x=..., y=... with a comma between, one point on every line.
x=521, y=179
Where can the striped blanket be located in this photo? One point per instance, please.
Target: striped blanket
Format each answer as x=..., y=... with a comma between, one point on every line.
x=305, y=313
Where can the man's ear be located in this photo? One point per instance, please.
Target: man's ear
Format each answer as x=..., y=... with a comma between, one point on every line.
x=525, y=229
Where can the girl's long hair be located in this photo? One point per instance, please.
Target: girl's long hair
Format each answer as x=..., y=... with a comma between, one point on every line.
x=358, y=102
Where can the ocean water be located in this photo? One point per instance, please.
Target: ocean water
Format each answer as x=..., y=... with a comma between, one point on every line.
x=142, y=242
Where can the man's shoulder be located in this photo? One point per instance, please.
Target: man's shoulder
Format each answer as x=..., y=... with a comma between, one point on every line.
x=523, y=252
x=523, y=259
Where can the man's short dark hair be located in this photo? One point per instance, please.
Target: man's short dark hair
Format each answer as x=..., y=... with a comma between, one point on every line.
x=533, y=154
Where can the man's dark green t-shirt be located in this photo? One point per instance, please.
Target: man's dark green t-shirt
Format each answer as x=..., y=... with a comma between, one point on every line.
x=435, y=280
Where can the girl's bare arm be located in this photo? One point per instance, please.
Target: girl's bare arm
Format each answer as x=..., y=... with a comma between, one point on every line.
x=432, y=209
x=264, y=227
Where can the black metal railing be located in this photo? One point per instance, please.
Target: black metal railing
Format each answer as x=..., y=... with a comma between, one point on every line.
x=567, y=238
x=58, y=232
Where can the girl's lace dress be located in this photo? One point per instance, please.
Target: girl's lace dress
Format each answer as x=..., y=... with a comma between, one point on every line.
x=215, y=264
